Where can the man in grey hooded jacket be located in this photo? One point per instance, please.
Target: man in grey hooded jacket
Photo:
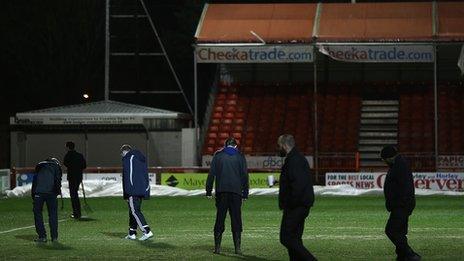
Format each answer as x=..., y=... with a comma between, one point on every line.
x=229, y=169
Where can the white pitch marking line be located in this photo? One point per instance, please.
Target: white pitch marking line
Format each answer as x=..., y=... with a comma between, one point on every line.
x=21, y=228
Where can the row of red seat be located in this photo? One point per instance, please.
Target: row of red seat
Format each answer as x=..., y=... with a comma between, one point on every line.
x=257, y=114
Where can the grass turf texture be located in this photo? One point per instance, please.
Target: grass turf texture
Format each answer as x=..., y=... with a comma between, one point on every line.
x=339, y=228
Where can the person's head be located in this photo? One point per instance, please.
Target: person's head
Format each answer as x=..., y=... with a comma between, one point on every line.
x=230, y=142
x=388, y=154
x=54, y=160
x=70, y=145
x=125, y=149
x=285, y=143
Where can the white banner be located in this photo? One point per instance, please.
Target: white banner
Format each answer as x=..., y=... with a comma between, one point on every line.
x=259, y=161
x=4, y=180
x=440, y=181
x=59, y=120
x=255, y=54
x=451, y=161
x=379, y=53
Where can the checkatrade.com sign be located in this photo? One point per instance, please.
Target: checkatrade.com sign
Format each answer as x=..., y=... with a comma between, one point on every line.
x=255, y=54
x=380, y=53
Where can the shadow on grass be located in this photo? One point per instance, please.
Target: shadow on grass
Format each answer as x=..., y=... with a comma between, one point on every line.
x=86, y=219
x=26, y=237
x=230, y=252
x=53, y=246
x=48, y=245
x=115, y=234
x=148, y=243
x=156, y=245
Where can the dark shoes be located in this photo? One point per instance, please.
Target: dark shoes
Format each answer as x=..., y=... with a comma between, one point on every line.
x=75, y=216
x=237, y=241
x=410, y=256
x=217, y=243
x=218, y=239
x=40, y=240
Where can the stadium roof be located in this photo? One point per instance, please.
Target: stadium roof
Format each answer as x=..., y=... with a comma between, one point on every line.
x=102, y=112
x=245, y=23
x=332, y=22
x=450, y=21
x=376, y=22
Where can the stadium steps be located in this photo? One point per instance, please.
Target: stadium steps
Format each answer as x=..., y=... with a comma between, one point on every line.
x=379, y=127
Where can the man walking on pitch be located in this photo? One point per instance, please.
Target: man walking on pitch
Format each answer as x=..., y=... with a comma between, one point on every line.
x=229, y=169
x=46, y=185
x=136, y=187
x=296, y=197
x=75, y=164
x=399, y=201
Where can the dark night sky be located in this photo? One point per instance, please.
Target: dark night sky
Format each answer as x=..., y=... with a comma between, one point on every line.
x=52, y=51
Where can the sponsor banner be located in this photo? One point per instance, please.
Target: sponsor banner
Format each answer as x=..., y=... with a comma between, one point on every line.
x=451, y=161
x=191, y=181
x=60, y=120
x=258, y=161
x=379, y=53
x=440, y=181
x=4, y=180
x=255, y=54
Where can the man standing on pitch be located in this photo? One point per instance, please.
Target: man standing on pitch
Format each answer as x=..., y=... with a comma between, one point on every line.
x=75, y=164
x=399, y=201
x=46, y=185
x=229, y=168
x=136, y=187
x=296, y=197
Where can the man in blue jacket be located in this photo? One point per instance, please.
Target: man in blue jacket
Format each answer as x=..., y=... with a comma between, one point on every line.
x=229, y=168
x=136, y=187
x=46, y=185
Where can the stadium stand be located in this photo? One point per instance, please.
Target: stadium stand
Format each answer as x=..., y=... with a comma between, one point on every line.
x=256, y=114
x=451, y=119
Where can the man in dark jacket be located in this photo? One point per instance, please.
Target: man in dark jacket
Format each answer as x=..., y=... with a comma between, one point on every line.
x=229, y=168
x=136, y=187
x=75, y=164
x=46, y=185
x=399, y=201
x=296, y=197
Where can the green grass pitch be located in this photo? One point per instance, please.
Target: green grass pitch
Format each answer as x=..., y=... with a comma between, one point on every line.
x=338, y=228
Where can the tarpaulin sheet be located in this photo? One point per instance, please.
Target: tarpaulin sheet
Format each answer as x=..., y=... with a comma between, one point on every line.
x=102, y=188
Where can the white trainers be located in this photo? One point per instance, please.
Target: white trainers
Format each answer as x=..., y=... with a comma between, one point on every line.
x=146, y=236
x=130, y=237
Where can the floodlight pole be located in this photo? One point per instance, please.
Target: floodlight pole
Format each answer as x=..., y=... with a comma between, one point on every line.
x=435, y=98
x=195, y=97
x=316, y=147
x=107, y=50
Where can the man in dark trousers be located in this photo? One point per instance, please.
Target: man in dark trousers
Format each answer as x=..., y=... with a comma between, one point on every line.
x=229, y=169
x=46, y=185
x=399, y=201
x=75, y=163
x=296, y=197
x=136, y=187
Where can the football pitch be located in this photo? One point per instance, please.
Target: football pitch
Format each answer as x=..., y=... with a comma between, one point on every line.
x=338, y=228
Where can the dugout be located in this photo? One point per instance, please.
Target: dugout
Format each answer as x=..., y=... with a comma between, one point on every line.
x=98, y=130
